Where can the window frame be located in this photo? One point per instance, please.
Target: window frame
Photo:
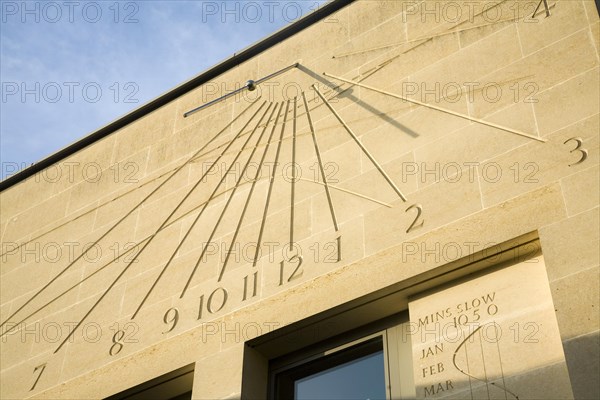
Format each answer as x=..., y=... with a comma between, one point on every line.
x=391, y=334
x=175, y=385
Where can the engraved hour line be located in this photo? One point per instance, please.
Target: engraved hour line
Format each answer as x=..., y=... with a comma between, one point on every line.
x=128, y=213
x=197, y=218
x=382, y=65
x=195, y=159
x=212, y=195
x=224, y=210
x=74, y=286
x=254, y=181
x=264, y=217
x=135, y=246
x=342, y=91
x=231, y=195
x=143, y=248
x=545, y=6
x=424, y=40
x=436, y=108
x=487, y=386
x=358, y=142
x=500, y=359
x=468, y=370
x=125, y=252
x=318, y=152
x=293, y=188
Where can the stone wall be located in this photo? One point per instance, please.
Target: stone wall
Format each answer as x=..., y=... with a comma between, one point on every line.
x=468, y=187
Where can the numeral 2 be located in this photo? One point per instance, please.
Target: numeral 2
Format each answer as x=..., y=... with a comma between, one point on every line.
x=295, y=274
x=414, y=224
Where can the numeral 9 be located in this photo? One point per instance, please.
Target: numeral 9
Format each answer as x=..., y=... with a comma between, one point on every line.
x=171, y=317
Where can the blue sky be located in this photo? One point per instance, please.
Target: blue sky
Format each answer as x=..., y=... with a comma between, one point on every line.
x=69, y=68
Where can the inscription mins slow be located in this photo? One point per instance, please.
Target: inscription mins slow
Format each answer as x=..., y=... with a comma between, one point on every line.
x=460, y=312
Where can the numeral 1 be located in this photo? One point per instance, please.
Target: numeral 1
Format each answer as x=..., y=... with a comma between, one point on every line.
x=41, y=368
x=254, y=285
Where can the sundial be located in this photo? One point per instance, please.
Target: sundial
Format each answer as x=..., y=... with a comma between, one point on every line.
x=264, y=134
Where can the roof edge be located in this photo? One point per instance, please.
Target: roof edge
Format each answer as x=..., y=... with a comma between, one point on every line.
x=211, y=73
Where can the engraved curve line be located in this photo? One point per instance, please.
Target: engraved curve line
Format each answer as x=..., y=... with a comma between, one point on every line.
x=196, y=159
x=396, y=44
x=473, y=376
x=134, y=247
x=451, y=30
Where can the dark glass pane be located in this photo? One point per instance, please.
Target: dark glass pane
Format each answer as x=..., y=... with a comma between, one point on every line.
x=185, y=396
x=362, y=378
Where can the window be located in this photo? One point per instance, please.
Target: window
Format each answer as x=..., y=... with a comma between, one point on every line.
x=347, y=368
x=176, y=385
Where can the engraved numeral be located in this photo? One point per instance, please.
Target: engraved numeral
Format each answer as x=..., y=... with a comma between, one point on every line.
x=297, y=273
x=41, y=368
x=171, y=317
x=210, y=307
x=117, y=345
x=579, y=143
x=335, y=254
x=254, y=285
x=414, y=224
